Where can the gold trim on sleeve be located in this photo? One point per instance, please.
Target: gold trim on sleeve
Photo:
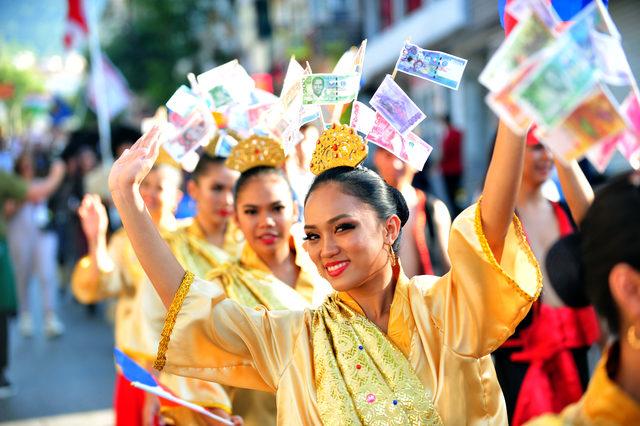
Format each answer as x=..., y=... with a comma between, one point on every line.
x=170, y=320
x=522, y=240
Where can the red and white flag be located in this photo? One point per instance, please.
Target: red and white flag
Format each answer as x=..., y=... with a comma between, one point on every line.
x=77, y=29
x=116, y=94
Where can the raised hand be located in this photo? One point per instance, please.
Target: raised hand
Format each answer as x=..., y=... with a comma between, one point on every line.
x=93, y=218
x=135, y=163
x=157, y=260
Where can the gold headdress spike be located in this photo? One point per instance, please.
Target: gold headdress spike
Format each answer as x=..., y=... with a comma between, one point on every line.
x=164, y=159
x=210, y=149
x=256, y=151
x=338, y=146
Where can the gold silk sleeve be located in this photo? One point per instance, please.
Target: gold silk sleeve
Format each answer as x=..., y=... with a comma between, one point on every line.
x=201, y=392
x=210, y=337
x=479, y=303
x=89, y=288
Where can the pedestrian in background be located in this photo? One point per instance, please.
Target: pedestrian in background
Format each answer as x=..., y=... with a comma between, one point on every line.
x=33, y=246
x=14, y=188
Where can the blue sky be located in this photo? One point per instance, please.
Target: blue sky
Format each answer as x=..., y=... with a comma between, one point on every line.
x=35, y=24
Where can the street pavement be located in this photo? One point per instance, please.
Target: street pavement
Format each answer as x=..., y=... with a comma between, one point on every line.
x=73, y=373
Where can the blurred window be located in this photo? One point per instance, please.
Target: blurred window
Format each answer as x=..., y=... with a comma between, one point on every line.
x=386, y=13
x=412, y=5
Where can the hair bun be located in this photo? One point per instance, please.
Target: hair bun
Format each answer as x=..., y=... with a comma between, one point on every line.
x=401, y=205
x=566, y=272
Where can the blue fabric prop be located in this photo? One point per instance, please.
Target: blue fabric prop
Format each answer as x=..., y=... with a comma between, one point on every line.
x=566, y=9
x=132, y=371
x=501, y=5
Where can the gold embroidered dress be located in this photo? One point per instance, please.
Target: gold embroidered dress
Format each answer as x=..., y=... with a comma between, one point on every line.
x=603, y=404
x=332, y=365
x=250, y=282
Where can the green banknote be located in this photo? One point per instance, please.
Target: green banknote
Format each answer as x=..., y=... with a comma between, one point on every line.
x=527, y=38
x=558, y=86
x=329, y=89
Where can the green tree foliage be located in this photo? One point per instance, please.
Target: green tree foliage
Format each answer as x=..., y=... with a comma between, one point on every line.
x=157, y=36
x=24, y=81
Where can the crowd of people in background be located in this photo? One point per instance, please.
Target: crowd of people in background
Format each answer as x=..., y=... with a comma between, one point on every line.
x=57, y=213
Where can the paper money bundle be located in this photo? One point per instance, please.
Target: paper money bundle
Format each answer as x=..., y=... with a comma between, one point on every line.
x=396, y=115
x=229, y=94
x=557, y=75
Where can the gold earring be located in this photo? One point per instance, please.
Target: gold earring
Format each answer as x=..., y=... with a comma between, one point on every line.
x=238, y=236
x=392, y=256
x=632, y=338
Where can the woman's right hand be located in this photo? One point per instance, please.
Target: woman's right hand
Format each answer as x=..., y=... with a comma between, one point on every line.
x=135, y=163
x=93, y=218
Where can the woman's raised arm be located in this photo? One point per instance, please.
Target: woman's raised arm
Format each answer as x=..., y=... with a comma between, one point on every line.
x=154, y=254
x=576, y=188
x=501, y=187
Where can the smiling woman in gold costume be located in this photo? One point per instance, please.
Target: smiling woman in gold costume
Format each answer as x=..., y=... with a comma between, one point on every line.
x=272, y=271
x=383, y=349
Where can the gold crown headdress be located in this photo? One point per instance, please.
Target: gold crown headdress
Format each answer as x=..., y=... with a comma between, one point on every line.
x=256, y=151
x=338, y=146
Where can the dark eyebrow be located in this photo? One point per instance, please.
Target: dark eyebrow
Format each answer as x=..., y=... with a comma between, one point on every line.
x=330, y=221
x=275, y=203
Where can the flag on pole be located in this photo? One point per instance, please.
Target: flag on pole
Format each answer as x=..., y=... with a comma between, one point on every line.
x=77, y=29
x=142, y=379
x=117, y=97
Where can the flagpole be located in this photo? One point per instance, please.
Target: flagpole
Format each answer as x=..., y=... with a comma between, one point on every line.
x=395, y=68
x=98, y=80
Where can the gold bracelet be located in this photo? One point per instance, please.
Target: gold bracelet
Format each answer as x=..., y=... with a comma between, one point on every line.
x=170, y=320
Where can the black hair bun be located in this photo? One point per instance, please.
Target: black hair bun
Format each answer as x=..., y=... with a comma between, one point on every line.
x=401, y=205
x=566, y=272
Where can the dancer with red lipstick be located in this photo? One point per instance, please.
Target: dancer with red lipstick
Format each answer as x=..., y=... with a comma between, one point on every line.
x=264, y=215
x=210, y=238
x=273, y=270
x=114, y=270
x=200, y=244
x=383, y=347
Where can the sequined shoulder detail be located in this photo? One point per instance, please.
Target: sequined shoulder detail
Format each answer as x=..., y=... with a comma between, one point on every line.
x=522, y=241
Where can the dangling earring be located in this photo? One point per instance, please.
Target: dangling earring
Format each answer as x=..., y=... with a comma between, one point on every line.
x=238, y=236
x=392, y=256
x=632, y=338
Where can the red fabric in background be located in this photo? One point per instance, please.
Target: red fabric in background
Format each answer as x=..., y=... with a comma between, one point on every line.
x=552, y=380
x=128, y=403
x=451, y=163
x=419, y=234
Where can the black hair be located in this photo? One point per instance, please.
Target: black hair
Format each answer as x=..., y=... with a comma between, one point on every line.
x=367, y=186
x=123, y=135
x=564, y=269
x=256, y=172
x=609, y=235
x=204, y=163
